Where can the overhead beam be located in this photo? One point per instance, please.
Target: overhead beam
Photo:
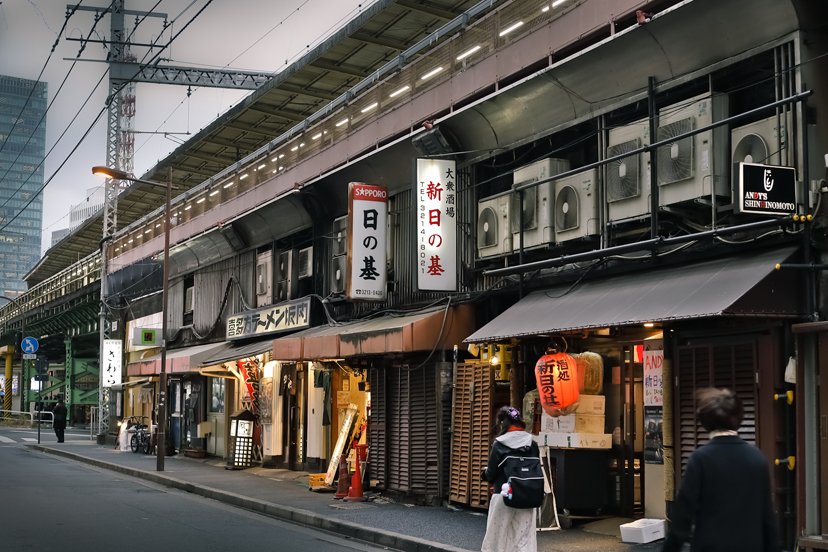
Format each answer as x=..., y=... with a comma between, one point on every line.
x=211, y=158
x=428, y=10
x=289, y=115
x=328, y=66
x=188, y=76
x=390, y=44
x=193, y=170
x=228, y=143
x=247, y=128
x=312, y=92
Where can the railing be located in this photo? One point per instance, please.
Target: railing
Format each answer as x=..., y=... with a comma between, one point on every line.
x=70, y=279
x=94, y=423
x=420, y=68
x=4, y=415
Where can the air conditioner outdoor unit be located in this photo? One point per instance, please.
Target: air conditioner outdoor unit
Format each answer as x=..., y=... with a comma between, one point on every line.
x=693, y=167
x=285, y=276
x=339, y=274
x=264, y=279
x=628, y=178
x=340, y=236
x=759, y=142
x=188, y=299
x=494, y=235
x=305, y=269
x=576, y=207
x=538, y=201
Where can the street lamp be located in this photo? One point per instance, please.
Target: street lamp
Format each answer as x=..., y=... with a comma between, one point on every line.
x=162, y=410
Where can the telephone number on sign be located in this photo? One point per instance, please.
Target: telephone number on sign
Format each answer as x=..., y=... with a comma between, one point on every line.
x=368, y=293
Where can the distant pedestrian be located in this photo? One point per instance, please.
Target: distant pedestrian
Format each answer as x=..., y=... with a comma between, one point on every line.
x=726, y=490
x=508, y=529
x=59, y=422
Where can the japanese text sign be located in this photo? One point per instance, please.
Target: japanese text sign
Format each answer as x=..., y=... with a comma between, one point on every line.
x=653, y=385
x=367, y=230
x=764, y=189
x=291, y=315
x=111, y=370
x=436, y=225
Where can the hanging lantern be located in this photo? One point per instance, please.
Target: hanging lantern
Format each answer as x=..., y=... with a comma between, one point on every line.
x=557, y=378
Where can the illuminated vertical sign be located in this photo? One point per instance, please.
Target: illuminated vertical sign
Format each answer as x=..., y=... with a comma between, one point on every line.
x=111, y=370
x=436, y=225
x=367, y=229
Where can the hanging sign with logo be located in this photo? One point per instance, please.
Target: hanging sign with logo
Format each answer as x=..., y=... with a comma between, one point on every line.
x=367, y=220
x=146, y=337
x=111, y=373
x=292, y=315
x=764, y=189
x=436, y=225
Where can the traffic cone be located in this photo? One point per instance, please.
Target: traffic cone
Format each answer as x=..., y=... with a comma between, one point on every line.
x=355, y=492
x=342, y=487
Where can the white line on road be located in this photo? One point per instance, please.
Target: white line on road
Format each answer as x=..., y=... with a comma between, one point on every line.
x=29, y=439
x=6, y=440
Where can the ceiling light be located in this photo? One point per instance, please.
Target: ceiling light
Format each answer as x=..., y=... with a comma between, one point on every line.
x=200, y=200
x=467, y=53
x=214, y=192
x=130, y=241
x=276, y=170
x=494, y=360
x=261, y=167
x=281, y=155
x=342, y=122
x=280, y=168
x=370, y=107
x=242, y=177
x=302, y=145
x=511, y=28
x=318, y=136
x=229, y=184
x=398, y=92
x=431, y=73
x=188, y=207
x=545, y=9
x=147, y=231
x=557, y=3
x=273, y=160
x=649, y=325
x=294, y=148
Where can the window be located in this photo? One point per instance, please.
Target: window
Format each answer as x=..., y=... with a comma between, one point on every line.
x=189, y=292
x=217, y=395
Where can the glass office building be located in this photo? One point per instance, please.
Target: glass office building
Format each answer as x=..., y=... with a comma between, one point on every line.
x=22, y=151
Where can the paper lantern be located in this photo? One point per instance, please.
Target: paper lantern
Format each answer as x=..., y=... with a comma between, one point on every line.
x=557, y=379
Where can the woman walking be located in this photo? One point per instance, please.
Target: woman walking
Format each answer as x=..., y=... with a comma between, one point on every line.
x=726, y=489
x=508, y=529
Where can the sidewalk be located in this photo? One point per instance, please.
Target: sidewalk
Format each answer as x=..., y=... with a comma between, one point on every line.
x=284, y=494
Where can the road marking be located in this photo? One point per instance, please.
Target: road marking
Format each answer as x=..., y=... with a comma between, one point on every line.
x=6, y=440
x=29, y=439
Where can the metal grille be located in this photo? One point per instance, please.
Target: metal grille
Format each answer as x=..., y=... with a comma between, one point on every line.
x=210, y=284
x=399, y=431
x=732, y=366
x=377, y=431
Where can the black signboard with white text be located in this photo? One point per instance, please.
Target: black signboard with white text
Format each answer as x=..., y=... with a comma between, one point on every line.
x=764, y=189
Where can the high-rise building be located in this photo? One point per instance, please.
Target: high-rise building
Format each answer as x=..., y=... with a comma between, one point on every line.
x=92, y=204
x=58, y=235
x=22, y=151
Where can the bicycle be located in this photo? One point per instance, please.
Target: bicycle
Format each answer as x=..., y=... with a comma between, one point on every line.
x=142, y=440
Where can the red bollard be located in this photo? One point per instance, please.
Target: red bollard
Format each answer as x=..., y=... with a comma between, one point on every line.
x=355, y=494
x=342, y=487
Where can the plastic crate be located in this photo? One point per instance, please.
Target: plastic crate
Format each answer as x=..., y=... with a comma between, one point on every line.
x=316, y=480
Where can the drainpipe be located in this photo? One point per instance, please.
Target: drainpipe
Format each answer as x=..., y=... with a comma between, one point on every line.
x=668, y=383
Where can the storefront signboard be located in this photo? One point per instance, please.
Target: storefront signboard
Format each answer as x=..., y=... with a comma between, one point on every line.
x=291, y=315
x=764, y=189
x=653, y=385
x=146, y=337
x=367, y=253
x=14, y=384
x=653, y=407
x=113, y=351
x=436, y=189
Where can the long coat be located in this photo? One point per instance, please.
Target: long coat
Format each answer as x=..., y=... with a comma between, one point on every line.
x=726, y=492
x=60, y=417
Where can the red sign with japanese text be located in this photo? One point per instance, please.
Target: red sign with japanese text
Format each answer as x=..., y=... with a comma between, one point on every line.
x=367, y=230
x=436, y=225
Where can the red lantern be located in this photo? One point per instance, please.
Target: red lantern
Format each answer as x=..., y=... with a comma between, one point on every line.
x=557, y=379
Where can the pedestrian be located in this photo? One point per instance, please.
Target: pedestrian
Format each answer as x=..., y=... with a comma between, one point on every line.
x=59, y=421
x=725, y=501
x=508, y=529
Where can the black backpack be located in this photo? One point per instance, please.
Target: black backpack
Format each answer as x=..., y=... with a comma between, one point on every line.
x=525, y=478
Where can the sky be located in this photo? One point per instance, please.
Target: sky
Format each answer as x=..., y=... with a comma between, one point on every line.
x=255, y=35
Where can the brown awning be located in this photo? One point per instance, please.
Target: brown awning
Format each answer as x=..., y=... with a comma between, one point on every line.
x=389, y=334
x=186, y=359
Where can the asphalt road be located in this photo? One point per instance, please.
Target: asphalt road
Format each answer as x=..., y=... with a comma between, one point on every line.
x=48, y=503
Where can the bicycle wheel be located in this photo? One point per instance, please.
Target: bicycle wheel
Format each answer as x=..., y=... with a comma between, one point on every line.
x=133, y=443
x=147, y=444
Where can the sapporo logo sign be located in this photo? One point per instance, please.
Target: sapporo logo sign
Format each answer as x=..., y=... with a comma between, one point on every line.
x=367, y=230
x=764, y=189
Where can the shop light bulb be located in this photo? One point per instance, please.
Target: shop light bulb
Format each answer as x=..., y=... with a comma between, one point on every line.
x=495, y=360
x=649, y=325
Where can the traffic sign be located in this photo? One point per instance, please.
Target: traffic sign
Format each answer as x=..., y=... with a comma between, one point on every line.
x=41, y=364
x=29, y=345
x=42, y=377
x=29, y=356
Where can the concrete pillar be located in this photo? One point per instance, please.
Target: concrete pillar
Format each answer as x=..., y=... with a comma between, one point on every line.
x=69, y=387
x=8, y=354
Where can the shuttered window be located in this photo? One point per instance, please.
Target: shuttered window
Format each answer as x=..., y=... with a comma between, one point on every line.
x=732, y=366
x=377, y=429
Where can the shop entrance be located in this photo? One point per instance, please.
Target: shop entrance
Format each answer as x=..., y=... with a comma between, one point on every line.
x=294, y=414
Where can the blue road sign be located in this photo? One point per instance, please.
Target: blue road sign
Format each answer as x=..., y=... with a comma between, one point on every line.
x=29, y=345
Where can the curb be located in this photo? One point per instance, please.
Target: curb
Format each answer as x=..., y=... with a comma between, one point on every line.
x=306, y=518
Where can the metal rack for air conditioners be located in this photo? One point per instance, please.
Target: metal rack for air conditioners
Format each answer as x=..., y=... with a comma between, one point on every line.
x=264, y=279
x=285, y=276
x=337, y=277
x=576, y=210
x=538, y=203
x=628, y=179
x=693, y=167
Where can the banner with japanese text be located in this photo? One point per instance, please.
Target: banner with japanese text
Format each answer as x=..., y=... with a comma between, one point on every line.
x=292, y=315
x=436, y=225
x=367, y=230
x=111, y=372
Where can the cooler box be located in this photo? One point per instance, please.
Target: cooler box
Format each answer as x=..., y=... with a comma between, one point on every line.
x=643, y=531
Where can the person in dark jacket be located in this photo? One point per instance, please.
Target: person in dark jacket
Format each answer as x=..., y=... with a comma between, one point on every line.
x=725, y=491
x=59, y=422
x=508, y=529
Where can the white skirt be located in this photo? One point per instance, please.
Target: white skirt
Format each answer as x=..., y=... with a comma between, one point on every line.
x=509, y=529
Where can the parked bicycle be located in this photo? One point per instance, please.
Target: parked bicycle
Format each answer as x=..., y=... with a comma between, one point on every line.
x=141, y=440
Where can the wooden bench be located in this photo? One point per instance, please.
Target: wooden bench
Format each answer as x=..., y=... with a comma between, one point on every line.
x=809, y=544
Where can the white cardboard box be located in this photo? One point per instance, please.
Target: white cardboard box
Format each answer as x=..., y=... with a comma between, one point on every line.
x=578, y=440
x=574, y=423
x=643, y=531
x=592, y=404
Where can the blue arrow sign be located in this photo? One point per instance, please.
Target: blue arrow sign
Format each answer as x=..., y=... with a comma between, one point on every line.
x=29, y=345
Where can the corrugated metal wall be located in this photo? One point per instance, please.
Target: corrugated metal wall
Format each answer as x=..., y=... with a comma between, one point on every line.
x=210, y=284
x=175, y=308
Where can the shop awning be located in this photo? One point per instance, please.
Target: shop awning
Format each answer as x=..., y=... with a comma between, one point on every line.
x=124, y=385
x=186, y=359
x=731, y=287
x=238, y=352
x=388, y=334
